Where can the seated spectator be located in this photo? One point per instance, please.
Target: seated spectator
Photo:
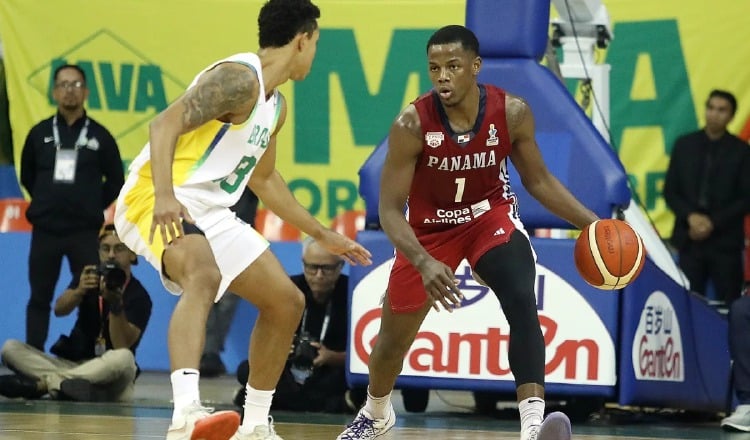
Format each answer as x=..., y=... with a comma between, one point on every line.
x=739, y=348
x=96, y=362
x=314, y=376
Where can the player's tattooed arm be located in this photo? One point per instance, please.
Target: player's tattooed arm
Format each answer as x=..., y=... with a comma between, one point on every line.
x=228, y=89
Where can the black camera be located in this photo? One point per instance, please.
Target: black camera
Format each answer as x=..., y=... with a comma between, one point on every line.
x=304, y=352
x=113, y=275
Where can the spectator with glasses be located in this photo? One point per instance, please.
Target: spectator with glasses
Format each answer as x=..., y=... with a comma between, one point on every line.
x=96, y=362
x=314, y=374
x=72, y=170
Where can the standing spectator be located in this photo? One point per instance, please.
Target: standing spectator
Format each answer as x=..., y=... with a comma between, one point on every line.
x=222, y=312
x=96, y=362
x=707, y=187
x=71, y=168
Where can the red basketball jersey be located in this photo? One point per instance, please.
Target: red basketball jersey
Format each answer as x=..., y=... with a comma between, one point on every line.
x=460, y=176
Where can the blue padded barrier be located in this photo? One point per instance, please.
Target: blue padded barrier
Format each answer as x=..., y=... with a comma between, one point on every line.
x=509, y=28
x=571, y=146
x=9, y=183
x=369, y=183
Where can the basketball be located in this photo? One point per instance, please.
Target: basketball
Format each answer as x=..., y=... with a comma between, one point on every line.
x=609, y=254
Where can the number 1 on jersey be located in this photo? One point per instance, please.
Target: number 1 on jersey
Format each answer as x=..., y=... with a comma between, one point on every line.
x=460, y=184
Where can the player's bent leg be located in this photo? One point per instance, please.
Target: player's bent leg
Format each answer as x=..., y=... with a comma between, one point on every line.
x=280, y=304
x=190, y=263
x=397, y=332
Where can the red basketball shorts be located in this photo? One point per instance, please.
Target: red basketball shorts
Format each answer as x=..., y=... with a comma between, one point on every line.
x=406, y=292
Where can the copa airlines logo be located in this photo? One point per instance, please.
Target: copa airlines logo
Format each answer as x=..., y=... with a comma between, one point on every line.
x=472, y=342
x=657, y=344
x=124, y=84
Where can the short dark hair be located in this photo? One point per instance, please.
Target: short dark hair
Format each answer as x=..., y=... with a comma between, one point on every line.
x=716, y=93
x=280, y=21
x=70, y=66
x=455, y=34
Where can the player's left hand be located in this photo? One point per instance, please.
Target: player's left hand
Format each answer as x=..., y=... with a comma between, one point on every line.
x=348, y=249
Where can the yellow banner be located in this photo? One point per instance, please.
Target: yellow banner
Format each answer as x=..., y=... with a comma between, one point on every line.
x=140, y=54
x=666, y=57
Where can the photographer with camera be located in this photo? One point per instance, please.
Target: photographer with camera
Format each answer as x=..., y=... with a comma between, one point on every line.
x=96, y=362
x=314, y=375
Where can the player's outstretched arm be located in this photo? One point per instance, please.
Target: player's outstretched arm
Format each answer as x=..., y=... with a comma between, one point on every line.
x=535, y=176
x=272, y=190
x=404, y=148
x=227, y=90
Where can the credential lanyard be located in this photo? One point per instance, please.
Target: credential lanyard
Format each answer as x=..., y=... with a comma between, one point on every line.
x=81, y=142
x=326, y=320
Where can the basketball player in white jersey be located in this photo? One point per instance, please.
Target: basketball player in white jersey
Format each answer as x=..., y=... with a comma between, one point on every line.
x=219, y=136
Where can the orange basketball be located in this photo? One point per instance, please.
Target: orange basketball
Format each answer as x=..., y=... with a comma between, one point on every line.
x=609, y=254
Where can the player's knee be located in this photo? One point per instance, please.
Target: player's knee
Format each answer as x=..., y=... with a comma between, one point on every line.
x=287, y=304
x=204, y=277
x=518, y=305
x=296, y=303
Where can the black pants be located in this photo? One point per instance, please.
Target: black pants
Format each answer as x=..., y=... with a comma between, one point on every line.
x=323, y=391
x=723, y=268
x=739, y=347
x=45, y=259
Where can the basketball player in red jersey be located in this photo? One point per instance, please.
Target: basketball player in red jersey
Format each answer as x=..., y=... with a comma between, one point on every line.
x=447, y=155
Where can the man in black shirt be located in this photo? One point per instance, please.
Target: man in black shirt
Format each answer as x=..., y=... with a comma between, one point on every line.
x=314, y=378
x=96, y=362
x=71, y=168
x=708, y=188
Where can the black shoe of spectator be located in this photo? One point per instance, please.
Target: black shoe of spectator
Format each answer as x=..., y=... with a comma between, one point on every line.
x=82, y=390
x=239, y=397
x=354, y=399
x=211, y=365
x=16, y=385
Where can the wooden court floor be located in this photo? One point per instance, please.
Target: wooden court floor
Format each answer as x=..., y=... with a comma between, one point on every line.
x=445, y=418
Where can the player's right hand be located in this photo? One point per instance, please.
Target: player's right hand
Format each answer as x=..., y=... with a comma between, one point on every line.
x=168, y=216
x=440, y=284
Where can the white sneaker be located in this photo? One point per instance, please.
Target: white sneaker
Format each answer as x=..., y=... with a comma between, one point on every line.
x=261, y=432
x=739, y=420
x=556, y=426
x=201, y=423
x=365, y=427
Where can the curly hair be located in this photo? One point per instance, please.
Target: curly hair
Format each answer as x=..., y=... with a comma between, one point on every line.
x=280, y=21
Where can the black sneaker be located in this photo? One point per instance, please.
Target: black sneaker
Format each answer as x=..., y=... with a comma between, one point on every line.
x=211, y=365
x=16, y=385
x=239, y=397
x=82, y=390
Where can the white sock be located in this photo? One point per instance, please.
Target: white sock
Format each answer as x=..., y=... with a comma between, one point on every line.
x=377, y=406
x=532, y=413
x=257, y=407
x=184, y=390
